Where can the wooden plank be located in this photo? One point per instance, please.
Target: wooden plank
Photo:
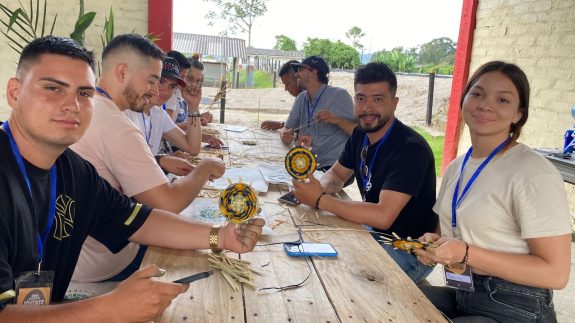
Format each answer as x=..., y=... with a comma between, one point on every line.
x=308, y=303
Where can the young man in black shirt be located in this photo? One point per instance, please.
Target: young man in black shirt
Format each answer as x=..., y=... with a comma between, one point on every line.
x=51, y=200
x=393, y=166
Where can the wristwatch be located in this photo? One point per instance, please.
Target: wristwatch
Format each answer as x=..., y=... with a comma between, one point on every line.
x=214, y=239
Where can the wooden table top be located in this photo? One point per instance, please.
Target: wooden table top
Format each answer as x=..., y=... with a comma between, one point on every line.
x=362, y=284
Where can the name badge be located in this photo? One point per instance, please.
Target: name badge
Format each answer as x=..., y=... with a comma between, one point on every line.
x=34, y=288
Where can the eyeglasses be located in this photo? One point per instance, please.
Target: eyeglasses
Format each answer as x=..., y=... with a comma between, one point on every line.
x=363, y=155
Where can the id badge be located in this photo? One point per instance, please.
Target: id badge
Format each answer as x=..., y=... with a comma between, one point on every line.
x=34, y=288
x=459, y=280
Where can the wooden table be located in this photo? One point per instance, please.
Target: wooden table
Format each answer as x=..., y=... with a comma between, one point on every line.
x=363, y=284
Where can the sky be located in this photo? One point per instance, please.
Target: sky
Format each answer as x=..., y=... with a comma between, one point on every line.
x=386, y=24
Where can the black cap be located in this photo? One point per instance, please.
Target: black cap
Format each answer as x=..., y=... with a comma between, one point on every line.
x=314, y=62
x=171, y=70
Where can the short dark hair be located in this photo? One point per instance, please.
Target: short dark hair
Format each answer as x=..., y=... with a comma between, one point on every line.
x=195, y=63
x=286, y=67
x=138, y=43
x=376, y=72
x=517, y=77
x=180, y=58
x=53, y=45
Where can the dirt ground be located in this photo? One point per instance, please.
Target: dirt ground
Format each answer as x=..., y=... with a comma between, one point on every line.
x=251, y=106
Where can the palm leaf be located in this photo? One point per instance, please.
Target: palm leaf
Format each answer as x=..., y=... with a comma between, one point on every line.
x=81, y=25
x=53, y=24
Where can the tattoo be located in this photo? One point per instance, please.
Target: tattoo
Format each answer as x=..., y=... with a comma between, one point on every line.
x=334, y=187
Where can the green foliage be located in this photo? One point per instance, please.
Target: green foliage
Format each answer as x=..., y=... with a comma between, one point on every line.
x=438, y=51
x=436, y=144
x=81, y=25
x=283, y=42
x=108, y=32
x=355, y=34
x=445, y=69
x=338, y=54
x=398, y=59
x=239, y=14
x=24, y=25
x=262, y=80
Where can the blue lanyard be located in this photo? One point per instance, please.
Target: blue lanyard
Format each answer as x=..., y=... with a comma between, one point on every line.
x=455, y=201
x=310, y=112
x=101, y=91
x=52, y=206
x=365, y=178
x=149, y=135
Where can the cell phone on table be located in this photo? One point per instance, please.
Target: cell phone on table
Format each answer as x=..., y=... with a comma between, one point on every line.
x=306, y=249
x=289, y=199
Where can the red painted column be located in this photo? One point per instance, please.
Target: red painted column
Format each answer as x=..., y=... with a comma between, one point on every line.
x=160, y=22
x=460, y=76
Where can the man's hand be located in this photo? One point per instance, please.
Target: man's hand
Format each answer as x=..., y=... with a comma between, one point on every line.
x=206, y=118
x=307, y=193
x=286, y=136
x=175, y=165
x=140, y=298
x=212, y=140
x=327, y=116
x=241, y=238
x=212, y=167
x=272, y=125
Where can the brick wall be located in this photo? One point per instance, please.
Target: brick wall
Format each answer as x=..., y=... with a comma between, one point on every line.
x=539, y=36
x=129, y=15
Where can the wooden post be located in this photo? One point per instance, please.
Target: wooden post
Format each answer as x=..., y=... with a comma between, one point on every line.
x=223, y=102
x=430, y=98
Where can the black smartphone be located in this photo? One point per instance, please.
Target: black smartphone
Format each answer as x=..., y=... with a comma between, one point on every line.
x=289, y=199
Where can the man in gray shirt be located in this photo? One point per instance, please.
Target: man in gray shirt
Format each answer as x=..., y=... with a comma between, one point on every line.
x=324, y=113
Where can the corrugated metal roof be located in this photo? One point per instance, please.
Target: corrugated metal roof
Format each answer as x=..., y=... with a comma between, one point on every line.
x=210, y=45
x=274, y=53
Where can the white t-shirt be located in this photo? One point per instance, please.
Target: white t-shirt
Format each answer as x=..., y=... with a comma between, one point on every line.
x=153, y=126
x=177, y=104
x=519, y=195
x=119, y=152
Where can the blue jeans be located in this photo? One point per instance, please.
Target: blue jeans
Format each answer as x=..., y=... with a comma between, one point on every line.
x=408, y=263
x=132, y=267
x=494, y=300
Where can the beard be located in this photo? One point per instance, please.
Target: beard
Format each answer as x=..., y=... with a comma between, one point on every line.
x=381, y=122
x=135, y=101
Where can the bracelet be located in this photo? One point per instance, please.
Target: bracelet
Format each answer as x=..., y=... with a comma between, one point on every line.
x=214, y=239
x=466, y=256
x=319, y=198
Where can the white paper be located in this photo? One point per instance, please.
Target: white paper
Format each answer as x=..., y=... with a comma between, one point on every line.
x=235, y=128
x=250, y=176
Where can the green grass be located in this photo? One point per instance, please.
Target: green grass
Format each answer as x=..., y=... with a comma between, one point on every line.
x=436, y=144
x=262, y=80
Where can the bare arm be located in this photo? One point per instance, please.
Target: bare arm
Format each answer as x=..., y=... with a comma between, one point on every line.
x=189, y=141
x=178, y=195
x=327, y=116
x=332, y=181
x=172, y=114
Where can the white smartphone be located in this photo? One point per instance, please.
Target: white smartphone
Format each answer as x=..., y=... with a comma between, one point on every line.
x=305, y=249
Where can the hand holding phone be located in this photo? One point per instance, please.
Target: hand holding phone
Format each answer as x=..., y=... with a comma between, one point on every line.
x=289, y=199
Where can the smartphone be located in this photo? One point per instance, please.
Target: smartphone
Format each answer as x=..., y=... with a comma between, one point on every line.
x=305, y=249
x=289, y=198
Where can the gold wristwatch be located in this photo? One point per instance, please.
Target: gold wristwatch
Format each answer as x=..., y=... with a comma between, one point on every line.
x=214, y=239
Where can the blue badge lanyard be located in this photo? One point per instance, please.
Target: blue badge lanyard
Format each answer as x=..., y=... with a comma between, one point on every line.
x=149, y=135
x=365, y=179
x=311, y=111
x=455, y=201
x=101, y=91
x=52, y=206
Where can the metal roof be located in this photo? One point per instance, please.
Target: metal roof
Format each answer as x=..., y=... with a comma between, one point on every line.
x=210, y=45
x=274, y=53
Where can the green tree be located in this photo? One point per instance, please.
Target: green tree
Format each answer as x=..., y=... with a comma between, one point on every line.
x=319, y=47
x=239, y=14
x=343, y=56
x=438, y=51
x=355, y=34
x=283, y=42
x=398, y=59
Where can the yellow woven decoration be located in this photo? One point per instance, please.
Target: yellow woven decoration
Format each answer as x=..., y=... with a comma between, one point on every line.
x=300, y=162
x=239, y=202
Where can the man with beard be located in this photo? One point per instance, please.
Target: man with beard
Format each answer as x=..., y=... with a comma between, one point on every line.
x=131, y=68
x=393, y=166
x=322, y=113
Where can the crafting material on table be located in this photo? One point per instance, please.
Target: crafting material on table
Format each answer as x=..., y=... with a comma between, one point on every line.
x=235, y=271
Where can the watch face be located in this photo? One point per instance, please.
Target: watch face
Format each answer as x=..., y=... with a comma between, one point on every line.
x=239, y=202
x=300, y=162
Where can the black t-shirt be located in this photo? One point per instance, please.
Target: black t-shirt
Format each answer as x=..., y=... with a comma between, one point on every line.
x=404, y=163
x=85, y=205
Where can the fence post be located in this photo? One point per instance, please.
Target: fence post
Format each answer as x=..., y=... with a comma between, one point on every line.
x=275, y=76
x=237, y=80
x=430, y=98
x=223, y=102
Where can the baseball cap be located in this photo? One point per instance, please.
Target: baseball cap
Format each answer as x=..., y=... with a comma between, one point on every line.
x=171, y=69
x=314, y=62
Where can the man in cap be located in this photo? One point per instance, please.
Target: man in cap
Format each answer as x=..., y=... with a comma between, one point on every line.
x=131, y=68
x=323, y=113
